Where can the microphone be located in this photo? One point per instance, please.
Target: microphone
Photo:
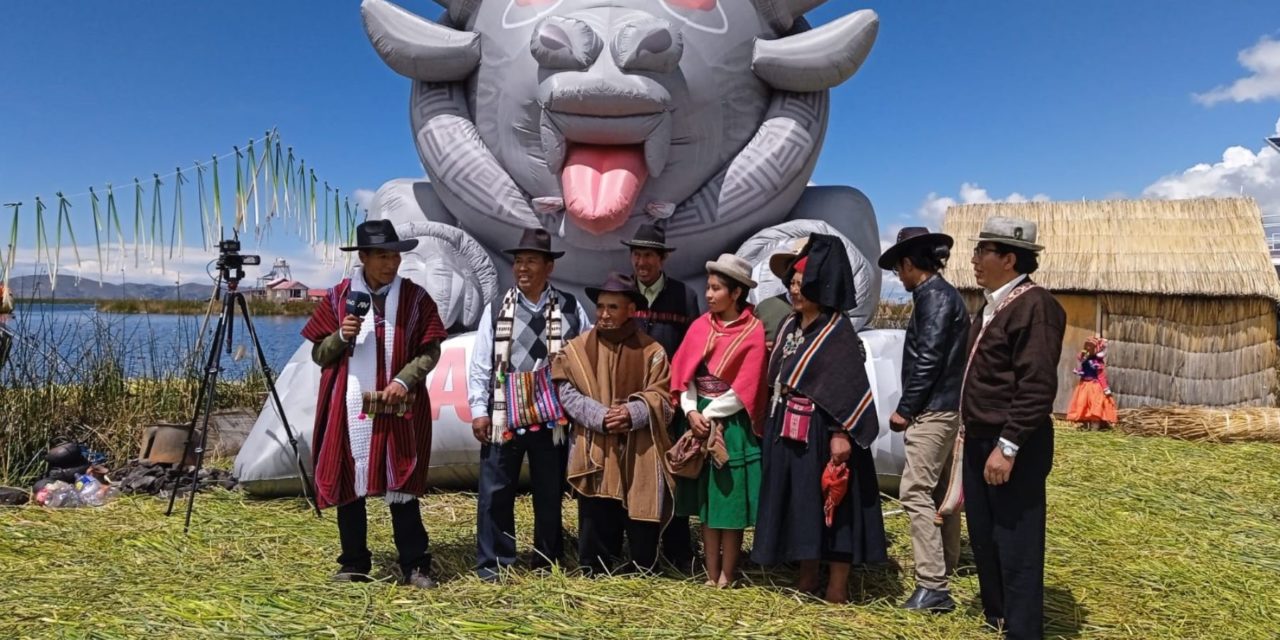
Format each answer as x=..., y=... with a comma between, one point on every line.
x=358, y=305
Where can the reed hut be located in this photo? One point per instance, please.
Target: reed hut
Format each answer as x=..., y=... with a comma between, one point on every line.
x=1183, y=290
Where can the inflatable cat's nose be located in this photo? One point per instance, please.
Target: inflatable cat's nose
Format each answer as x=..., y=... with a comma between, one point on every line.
x=564, y=44
x=647, y=44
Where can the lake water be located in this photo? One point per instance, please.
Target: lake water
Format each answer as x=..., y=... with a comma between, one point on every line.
x=62, y=341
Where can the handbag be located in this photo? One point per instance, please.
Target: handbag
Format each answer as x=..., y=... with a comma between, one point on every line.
x=797, y=418
x=686, y=457
x=532, y=401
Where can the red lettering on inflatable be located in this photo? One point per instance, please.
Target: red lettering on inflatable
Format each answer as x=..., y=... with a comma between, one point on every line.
x=448, y=384
x=699, y=5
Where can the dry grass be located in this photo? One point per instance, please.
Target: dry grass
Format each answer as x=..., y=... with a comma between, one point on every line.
x=1254, y=424
x=1148, y=538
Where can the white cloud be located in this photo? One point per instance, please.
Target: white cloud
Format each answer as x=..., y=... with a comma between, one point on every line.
x=934, y=207
x=1240, y=172
x=1263, y=82
x=363, y=198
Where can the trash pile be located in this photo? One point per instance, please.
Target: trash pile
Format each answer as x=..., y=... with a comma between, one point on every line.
x=144, y=477
x=78, y=477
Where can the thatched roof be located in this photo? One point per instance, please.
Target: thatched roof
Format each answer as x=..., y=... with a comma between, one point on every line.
x=1204, y=247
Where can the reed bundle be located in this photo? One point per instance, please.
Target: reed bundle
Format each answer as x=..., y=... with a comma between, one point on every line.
x=1246, y=424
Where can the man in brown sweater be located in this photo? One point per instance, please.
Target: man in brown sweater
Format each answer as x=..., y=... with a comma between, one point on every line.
x=1006, y=400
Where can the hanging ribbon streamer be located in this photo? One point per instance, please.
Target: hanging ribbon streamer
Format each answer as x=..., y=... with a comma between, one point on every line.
x=311, y=206
x=273, y=174
x=64, y=215
x=270, y=164
x=217, y=201
x=137, y=223
x=157, y=225
x=177, y=216
x=289, y=188
x=338, y=234
x=13, y=248
x=327, y=219
x=288, y=175
x=97, y=234
x=113, y=215
x=42, y=245
x=241, y=205
x=253, y=187
x=204, y=211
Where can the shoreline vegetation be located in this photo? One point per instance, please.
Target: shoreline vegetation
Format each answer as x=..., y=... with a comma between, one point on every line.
x=56, y=387
x=200, y=307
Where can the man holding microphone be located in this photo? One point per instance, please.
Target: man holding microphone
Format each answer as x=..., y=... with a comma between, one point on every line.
x=376, y=337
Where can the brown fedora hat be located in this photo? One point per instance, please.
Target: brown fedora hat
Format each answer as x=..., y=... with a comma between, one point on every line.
x=618, y=283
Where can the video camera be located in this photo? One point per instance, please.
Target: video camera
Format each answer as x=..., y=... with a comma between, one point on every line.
x=231, y=262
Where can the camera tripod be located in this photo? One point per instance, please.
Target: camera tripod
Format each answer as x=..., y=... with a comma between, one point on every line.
x=230, y=272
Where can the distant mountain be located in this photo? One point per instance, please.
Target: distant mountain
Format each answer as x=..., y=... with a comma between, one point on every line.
x=71, y=288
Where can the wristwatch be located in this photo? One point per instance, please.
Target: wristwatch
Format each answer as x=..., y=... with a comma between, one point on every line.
x=1008, y=450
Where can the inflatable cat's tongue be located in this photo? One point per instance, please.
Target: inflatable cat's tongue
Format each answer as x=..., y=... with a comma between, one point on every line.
x=601, y=184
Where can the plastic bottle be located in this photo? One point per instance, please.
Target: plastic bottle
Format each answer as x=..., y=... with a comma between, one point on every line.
x=58, y=495
x=89, y=490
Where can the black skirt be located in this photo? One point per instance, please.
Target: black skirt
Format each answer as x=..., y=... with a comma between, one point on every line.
x=790, y=526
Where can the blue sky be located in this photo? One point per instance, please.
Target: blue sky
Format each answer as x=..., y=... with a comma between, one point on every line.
x=959, y=101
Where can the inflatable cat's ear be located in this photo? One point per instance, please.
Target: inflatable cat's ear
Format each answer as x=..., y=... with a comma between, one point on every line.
x=817, y=59
x=421, y=49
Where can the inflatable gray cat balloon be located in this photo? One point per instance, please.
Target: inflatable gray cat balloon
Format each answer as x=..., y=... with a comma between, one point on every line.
x=589, y=118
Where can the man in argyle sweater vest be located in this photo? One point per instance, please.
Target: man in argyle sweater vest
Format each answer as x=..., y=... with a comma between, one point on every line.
x=519, y=334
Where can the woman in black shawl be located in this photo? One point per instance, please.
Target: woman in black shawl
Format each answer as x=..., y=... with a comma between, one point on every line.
x=821, y=412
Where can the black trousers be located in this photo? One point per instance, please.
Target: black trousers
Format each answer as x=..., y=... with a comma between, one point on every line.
x=602, y=522
x=495, y=517
x=406, y=528
x=677, y=544
x=1007, y=531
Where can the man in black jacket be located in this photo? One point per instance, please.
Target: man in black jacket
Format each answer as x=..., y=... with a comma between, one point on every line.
x=672, y=307
x=933, y=362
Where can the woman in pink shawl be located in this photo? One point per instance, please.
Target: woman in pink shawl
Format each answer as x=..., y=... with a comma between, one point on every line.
x=717, y=375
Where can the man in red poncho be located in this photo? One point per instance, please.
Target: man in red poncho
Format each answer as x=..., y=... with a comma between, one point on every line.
x=373, y=419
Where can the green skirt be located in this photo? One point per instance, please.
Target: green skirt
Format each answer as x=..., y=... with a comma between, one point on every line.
x=725, y=498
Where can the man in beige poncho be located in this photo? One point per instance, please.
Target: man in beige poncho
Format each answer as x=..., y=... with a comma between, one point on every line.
x=614, y=383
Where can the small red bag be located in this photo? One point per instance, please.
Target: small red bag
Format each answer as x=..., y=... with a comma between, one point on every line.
x=796, y=419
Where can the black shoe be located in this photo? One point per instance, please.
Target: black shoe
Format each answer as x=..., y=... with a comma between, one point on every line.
x=352, y=574
x=420, y=579
x=932, y=600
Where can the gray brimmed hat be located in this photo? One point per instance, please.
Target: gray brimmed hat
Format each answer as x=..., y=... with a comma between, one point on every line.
x=733, y=268
x=1013, y=232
